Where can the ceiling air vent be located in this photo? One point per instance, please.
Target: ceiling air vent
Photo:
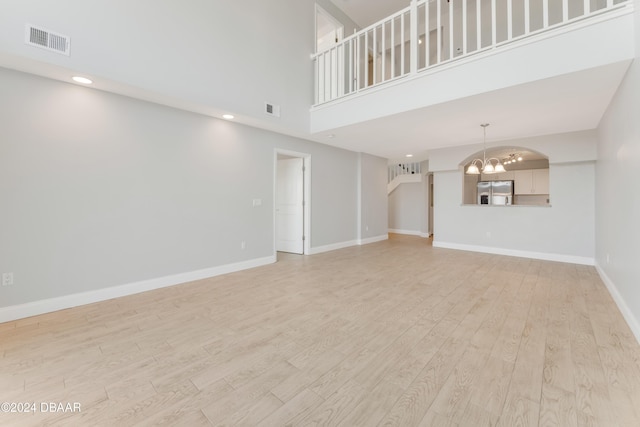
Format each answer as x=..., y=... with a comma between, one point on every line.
x=271, y=109
x=46, y=39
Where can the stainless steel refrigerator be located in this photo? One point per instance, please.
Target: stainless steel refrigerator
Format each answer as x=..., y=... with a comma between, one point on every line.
x=495, y=192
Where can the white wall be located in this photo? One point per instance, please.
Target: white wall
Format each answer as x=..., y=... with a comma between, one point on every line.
x=407, y=208
x=618, y=193
x=373, y=197
x=100, y=190
x=208, y=56
x=564, y=231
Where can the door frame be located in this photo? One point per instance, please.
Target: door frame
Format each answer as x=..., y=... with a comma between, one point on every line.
x=306, y=189
x=339, y=26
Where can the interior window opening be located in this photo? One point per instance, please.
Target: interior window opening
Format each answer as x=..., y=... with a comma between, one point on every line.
x=506, y=176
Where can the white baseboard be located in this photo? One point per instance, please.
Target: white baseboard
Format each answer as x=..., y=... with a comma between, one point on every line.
x=408, y=232
x=632, y=321
x=572, y=259
x=374, y=239
x=342, y=245
x=68, y=301
x=332, y=247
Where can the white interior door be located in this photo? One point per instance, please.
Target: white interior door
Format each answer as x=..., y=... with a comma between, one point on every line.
x=290, y=205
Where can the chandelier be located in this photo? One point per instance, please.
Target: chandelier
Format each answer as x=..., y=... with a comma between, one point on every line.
x=485, y=165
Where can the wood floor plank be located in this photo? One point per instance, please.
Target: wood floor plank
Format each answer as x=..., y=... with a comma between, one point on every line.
x=333, y=410
x=299, y=406
x=558, y=365
x=391, y=333
x=235, y=406
x=519, y=412
x=373, y=406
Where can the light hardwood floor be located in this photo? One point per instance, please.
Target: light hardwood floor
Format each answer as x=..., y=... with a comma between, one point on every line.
x=391, y=333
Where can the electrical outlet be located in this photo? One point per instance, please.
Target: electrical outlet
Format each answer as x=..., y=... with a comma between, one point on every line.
x=243, y=245
x=488, y=234
x=608, y=259
x=7, y=279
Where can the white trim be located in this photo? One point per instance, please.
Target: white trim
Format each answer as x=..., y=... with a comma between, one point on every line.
x=347, y=244
x=332, y=247
x=632, y=321
x=409, y=232
x=571, y=259
x=374, y=239
x=35, y=308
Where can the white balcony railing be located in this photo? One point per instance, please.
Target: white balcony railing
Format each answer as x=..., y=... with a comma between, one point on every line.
x=430, y=33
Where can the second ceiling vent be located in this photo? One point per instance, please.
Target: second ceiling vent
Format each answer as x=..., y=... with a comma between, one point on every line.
x=271, y=109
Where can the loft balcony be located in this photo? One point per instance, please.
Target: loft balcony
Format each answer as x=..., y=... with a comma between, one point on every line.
x=437, y=51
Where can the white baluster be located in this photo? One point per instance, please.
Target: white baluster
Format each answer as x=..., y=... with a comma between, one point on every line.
x=479, y=25
x=493, y=23
x=320, y=84
x=366, y=59
x=527, y=17
x=451, y=29
x=351, y=65
x=413, y=37
x=383, y=74
x=393, y=48
x=510, y=19
x=545, y=13
x=464, y=27
x=427, y=35
x=331, y=74
x=375, y=55
x=402, y=42
x=439, y=31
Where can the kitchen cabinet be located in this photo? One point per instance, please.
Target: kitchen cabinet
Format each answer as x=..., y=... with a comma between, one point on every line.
x=504, y=176
x=531, y=181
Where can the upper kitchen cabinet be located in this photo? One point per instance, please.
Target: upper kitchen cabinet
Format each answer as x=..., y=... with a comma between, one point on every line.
x=503, y=176
x=531, y=181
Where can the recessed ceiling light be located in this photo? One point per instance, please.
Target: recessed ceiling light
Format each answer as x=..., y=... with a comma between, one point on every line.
x=331, y=135
x=409, y=155
x=83, y=80
x=228, y=116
